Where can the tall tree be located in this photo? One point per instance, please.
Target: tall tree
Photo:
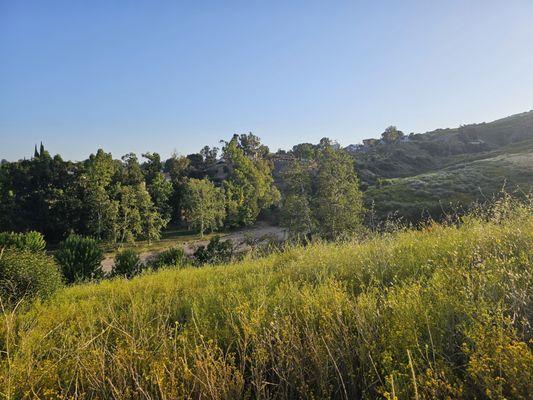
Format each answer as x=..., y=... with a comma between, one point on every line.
x=250, y=185
x=339, y=204
x=296, y=212
x=98, y=193
x=203, y=205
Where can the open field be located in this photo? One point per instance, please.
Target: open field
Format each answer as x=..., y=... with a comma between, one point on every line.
x=442, y=312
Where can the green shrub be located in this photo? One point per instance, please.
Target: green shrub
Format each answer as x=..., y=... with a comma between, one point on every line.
x=33, y=241
x=127, y=264
x=216, y=252
x=80, y=258
x=173, y=257
x=26, y=274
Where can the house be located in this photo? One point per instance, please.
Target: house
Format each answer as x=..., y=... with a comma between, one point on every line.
x=370, y=142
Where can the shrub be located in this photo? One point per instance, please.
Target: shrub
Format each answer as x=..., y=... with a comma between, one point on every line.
x=33, y=241
x=127, y=263
x=79, y=258
x=216, y=252
x=173, y=257
x=26, y=274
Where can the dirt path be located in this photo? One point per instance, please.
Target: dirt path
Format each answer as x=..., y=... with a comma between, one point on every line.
x=260, y=232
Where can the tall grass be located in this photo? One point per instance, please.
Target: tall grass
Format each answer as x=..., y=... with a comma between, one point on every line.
x=442, y=312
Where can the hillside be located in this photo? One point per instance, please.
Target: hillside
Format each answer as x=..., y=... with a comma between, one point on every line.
x=443, y=312
x=444, y=169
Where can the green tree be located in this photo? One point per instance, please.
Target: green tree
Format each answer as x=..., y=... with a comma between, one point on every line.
x=161, y=192
x=98, y=192
x=392, y=135
x=296, y=213
x=203, y=205
x=250, y=185
x=152, y=167
x=131, y=170
x=137, y=215
x=338, y=200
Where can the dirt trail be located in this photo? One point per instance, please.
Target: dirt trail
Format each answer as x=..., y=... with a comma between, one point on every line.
x=258, y=233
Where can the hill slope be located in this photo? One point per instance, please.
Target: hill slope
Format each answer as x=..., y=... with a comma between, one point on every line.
x=445, y=311
x=431, y=171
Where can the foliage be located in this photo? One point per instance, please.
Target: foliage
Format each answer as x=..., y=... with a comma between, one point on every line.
x=137, y=215
x=296, y=211
x=32, y=241
x=26, y=274
x=79, y=258
x=339, y=201
x=322, y=197
x=216, y=252
x=443, y=312
x=392, y=135
x=173, y=257
x=250, y=186
x=127, y=264
x=203, y=205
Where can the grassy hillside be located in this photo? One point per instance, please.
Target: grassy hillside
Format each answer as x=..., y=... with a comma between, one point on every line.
x=442, y=148
x=466, y=180
x=442, y=312
x=448, y=169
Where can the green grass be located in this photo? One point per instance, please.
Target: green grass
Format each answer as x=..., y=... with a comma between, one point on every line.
x=443, y=312
x=465, y=181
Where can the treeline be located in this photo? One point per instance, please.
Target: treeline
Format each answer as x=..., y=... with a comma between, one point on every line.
x=124, y=200
x=118, y=201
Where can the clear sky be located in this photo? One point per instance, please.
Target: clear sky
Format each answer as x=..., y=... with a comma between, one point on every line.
x=176, y=75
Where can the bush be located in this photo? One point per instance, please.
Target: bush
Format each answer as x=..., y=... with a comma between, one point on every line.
x=127, y=263
x=173, y=257
x=80, y=258
x=26, y=274
x=33, y=241
x=216, y=252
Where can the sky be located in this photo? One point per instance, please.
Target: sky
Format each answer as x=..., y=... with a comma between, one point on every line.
x=173, y=76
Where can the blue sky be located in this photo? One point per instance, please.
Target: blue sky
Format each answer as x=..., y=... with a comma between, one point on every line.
x=173, y=76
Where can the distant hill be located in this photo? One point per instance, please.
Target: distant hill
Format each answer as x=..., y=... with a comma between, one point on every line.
x=445, y=168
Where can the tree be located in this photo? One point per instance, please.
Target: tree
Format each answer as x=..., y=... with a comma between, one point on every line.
x=296, y=213
x=131, y=170
x=252, y=147
x=203, y=205
x=161, y=192
x=98, y=194
x=338, y=198
x=177, y=167
x=392, y=135
x=250, y=185
x=152, y=167
x=209, y=155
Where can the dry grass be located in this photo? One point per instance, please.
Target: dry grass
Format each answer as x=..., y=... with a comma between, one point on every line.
x=442, y=312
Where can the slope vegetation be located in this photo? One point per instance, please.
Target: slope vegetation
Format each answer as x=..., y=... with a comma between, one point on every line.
x=434, y=172
x=442, y=312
